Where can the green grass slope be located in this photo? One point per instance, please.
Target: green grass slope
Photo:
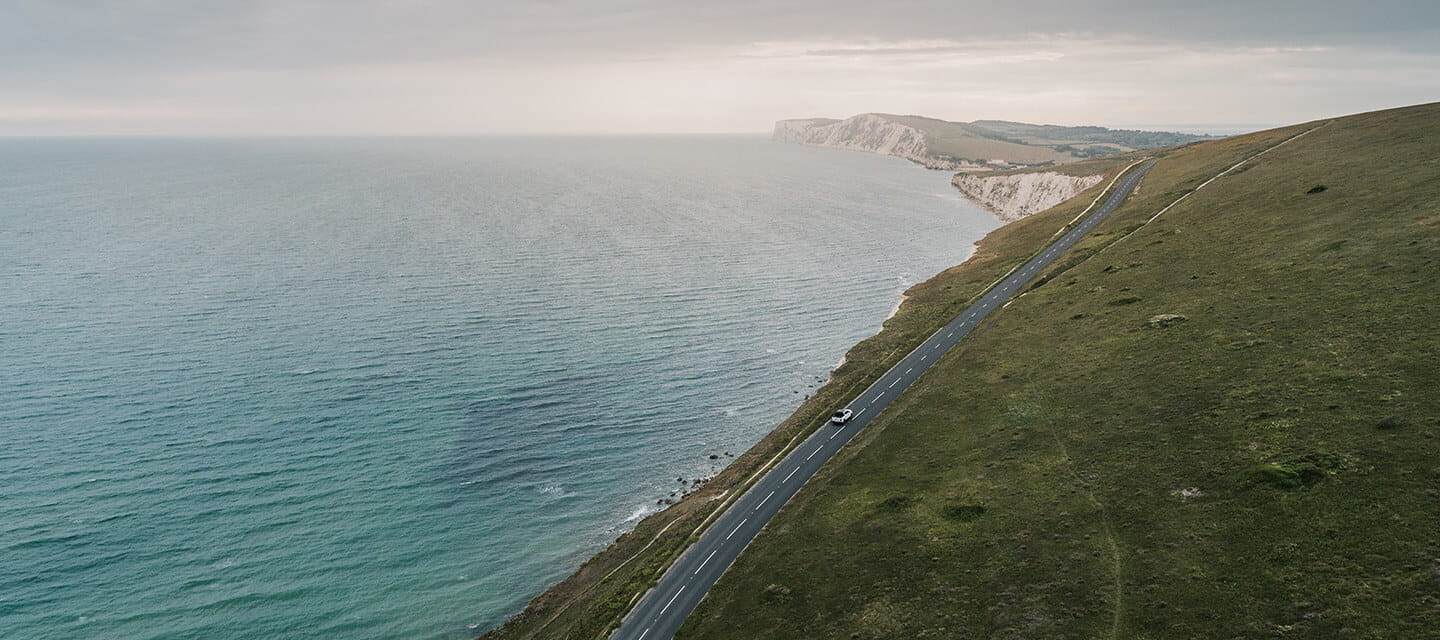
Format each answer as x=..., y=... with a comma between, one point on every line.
x=1224, y=423
x=962, y=141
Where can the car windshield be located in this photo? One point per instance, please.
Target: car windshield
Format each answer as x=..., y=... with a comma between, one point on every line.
x=840, y=413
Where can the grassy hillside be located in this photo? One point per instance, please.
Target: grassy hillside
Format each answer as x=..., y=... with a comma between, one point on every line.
x=1126, y=139
x=961, y=141
x=1224, y=425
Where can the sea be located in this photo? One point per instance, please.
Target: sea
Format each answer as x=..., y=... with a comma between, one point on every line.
x=375, y=388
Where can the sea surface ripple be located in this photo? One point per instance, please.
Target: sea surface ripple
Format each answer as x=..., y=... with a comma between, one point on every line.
x=392, y=388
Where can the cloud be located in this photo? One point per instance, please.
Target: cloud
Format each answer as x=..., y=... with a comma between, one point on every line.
x=630, y=65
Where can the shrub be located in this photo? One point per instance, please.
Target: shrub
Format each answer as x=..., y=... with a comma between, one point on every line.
x=1165, y=320
x=964, y=512
x=895, y=503
x=1300, y=471
x=1120, y=302
x=775, y=593
x=1276, y=475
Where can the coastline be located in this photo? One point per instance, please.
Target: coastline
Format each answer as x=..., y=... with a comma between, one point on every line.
x=667, y=530
x=590, y=601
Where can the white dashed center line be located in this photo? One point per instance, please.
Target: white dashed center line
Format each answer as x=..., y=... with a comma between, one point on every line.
x=707, y=561
x=767, y=499
x=672, y=600
x=737, y=527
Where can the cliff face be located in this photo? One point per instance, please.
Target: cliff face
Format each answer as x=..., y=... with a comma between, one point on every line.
x=1009, y=197
x=1012, y=197
x=865, y=132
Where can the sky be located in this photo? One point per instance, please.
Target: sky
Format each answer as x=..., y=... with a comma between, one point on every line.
x=345, y=67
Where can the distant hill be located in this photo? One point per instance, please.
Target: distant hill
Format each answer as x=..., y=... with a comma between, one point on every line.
x=979, y=145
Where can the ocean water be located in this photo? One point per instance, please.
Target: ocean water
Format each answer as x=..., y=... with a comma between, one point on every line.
x=393, y=388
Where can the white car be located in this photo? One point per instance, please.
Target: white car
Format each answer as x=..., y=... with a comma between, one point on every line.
x=841, y=417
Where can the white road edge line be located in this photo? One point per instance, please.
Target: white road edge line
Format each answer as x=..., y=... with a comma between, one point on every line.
x=737, y=528
x=672, y=601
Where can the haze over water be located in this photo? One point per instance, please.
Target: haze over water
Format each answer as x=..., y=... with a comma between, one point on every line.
x=392, y=388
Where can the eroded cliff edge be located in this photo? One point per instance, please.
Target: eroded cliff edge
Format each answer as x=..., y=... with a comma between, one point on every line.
x=867, y=132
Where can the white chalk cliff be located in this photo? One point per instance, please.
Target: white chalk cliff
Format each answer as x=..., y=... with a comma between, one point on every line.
x=865, y=132
x=1012, y=197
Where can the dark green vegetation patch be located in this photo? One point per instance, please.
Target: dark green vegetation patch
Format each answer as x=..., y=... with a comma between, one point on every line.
x=1301, y=471
x=964, y=512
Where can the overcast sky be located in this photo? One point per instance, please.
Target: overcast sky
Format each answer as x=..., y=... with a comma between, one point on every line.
x=561, y=66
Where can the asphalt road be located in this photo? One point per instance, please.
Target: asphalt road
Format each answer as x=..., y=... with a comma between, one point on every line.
x=661, y=612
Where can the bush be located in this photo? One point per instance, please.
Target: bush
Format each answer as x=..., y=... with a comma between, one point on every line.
x=895, y=503
x=775, y=593
x=964, y=512
x=1120, y=302
x=1276, y=475
x=1165, y=320
x=1300, y=471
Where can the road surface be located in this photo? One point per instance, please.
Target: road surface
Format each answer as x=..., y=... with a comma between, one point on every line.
x=661, y=612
